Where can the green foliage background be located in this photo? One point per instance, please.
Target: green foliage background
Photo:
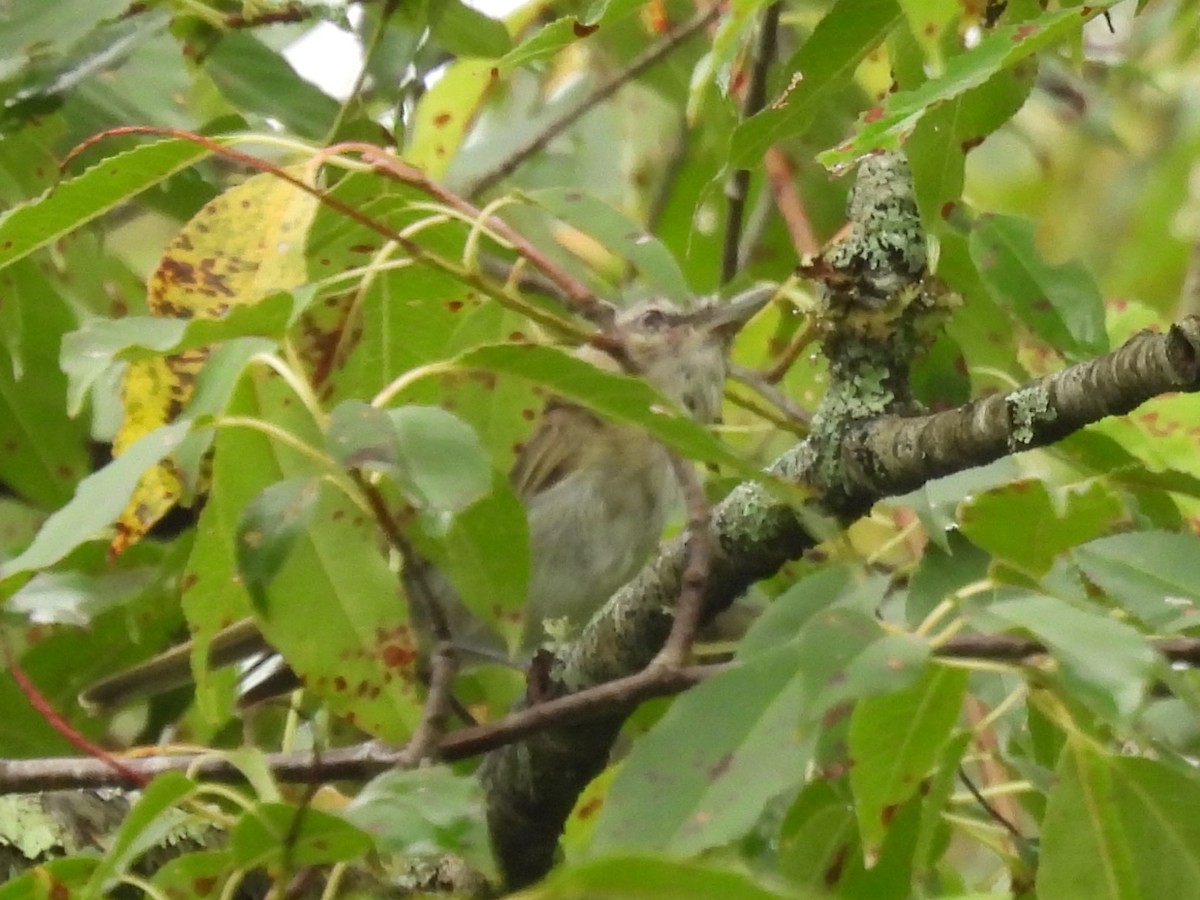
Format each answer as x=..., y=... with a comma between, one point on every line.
x=1055, y=164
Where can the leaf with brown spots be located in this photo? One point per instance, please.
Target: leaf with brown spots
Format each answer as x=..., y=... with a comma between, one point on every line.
x=243, y=246
x=446, y=112
x=895, y=739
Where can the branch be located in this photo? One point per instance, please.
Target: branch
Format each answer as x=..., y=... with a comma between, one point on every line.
x=878, y=311
x=690, y=602
x=359, y=762
x=363, y=761
x=894, y=455
x=649, y=57
x=738, y=186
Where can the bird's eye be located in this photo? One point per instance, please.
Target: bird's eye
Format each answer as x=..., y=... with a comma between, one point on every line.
x=653, y=319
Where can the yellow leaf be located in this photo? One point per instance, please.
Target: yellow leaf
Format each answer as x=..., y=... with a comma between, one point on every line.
x=245, y=245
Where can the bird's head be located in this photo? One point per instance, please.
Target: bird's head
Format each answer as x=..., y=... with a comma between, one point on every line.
x=685, y=353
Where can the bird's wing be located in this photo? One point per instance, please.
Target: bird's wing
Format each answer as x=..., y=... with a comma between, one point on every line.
x=566, y=438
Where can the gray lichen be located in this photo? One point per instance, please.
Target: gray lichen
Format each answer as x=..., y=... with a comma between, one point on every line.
x=1027, y=408
x=879, y=310
x=885, y=250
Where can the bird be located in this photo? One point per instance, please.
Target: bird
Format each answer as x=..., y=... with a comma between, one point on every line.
x=597, y=494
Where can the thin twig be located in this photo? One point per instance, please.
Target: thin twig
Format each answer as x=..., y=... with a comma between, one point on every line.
x=690, y=603
x=361, y=761
x=373, y=45
x=799, y=419
x=737, y=188
x=802, y=339
x=577, y=295
x=989, y=809
x=780, y=179
x=410, y=246
x=55, y=720
x=423, y=745
x=650, y=56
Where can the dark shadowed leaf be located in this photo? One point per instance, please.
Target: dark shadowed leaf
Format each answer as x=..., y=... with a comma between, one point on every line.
x=270, y=525
x=97, y=502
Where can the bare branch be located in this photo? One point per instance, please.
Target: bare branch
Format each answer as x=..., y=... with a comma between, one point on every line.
x=363, y=761
x=690, y=602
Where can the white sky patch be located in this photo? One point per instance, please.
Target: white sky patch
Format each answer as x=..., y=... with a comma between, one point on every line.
x=331, y=58
x=328, y=57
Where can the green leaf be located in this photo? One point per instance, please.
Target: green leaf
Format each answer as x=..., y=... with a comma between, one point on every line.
x=562, y=31
x=269, y=529
x=822, y=66
x=276, y=833
x=257, y=79
x=491, y=579
x=1086, y=850
x=937, y=148
x=1059, y=303
x=928, y=20
x=895, y=739
x=446, y=113
x=359, y=435
x=1156, y=804
x=183, y=875
x=1105, y=662
x=887, y=125
x=333, y=610
x=760, y=723
x=43, y=452
x=467, y=32
x=424, y=812
x=79, y=200
x=51, y=880
x=436, y=457
x=798, y=605
x=98, y=501
x=1151, y=574
x=96, y=345
x=441, y=457
x=639, y=878
x=1050, y=523
x=817, y=835
x=620, y=235
x=148, y=823
x=679, y=795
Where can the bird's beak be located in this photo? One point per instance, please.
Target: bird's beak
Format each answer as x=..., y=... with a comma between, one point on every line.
x=727, y=319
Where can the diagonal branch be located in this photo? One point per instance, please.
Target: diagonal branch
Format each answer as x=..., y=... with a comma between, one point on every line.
x=648, y=58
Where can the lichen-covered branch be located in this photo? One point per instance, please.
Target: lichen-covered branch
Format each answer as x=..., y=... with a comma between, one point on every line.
x=893, y=455
x=877, y=312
